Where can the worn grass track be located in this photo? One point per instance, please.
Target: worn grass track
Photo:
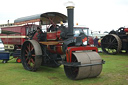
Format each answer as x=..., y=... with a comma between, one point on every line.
x=115, y=72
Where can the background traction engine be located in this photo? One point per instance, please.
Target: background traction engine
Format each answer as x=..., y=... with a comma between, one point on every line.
x=115, y=41
x=80, y=61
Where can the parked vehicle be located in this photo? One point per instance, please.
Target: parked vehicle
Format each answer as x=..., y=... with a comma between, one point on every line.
x=116, y=41
x=13, y=36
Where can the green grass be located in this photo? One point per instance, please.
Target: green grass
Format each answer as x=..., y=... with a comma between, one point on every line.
x=115, y=72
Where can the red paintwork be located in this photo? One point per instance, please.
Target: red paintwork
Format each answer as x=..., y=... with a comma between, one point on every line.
x=18, y=60
x=82, y=48
x=90, y=40
x=126, y=29
x=57, y=49
x=58, y=34
x=51, y=35
x=35, y=36
x=85, y=39
x=16, y=41
x=18, y=29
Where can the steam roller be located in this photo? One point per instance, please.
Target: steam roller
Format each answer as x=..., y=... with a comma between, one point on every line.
x=58, y=46
x=79, y=62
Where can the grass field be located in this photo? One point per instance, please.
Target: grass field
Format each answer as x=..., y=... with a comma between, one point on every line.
x=115, y=72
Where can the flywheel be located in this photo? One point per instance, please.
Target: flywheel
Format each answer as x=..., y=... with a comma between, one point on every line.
x=31, y=55
x=81, y=72
x=111, y=44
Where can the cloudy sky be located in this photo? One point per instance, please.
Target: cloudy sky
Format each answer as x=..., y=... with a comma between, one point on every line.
x=98, y=15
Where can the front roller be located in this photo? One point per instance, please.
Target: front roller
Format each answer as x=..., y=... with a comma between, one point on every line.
x=31, y=55
x=84, y=65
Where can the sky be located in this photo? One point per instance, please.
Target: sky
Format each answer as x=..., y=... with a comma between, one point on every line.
x=98, y=15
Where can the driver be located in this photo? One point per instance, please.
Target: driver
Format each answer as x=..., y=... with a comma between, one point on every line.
x=39, y=31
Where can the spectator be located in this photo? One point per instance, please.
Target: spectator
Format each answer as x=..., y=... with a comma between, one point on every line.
x=96, y=42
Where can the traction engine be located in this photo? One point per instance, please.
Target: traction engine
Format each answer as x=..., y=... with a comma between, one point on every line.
x=115, y=41
x=59, y=46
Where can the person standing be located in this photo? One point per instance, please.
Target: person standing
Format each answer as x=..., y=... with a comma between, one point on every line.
x=96, y=41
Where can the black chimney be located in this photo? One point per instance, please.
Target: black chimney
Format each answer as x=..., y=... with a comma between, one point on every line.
x=70, y=12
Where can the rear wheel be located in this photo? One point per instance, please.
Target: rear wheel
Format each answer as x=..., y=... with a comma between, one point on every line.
x=31, y=55
x=111, y=44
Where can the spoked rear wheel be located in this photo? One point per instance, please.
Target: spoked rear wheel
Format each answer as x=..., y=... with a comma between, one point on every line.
x=111, y=44
x=31, y=55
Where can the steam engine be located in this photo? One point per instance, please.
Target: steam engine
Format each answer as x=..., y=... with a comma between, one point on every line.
x=59, y=46
x=115, y=41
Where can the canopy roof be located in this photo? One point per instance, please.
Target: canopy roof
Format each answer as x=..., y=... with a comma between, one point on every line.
x=45, y=18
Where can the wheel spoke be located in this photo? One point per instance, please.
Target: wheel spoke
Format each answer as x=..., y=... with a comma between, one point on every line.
x=31, y=47
x=32, y=61
x=111, y=43
x=29, y=61
x=26, y=55
x=33, y=55
x=28, y=48
x=26, y=58
x=26, y=51
x=110, y=39
x=113, y=40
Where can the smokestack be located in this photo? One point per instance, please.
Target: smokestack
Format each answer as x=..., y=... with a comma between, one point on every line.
x=8, y=22
x=70, y=13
